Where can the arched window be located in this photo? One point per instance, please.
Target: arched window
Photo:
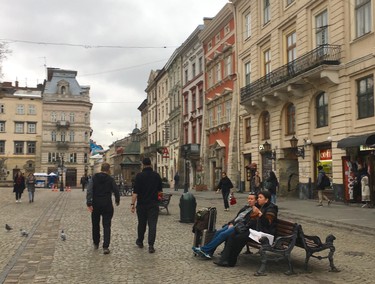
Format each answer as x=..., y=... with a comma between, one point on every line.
x=321, y=110
x=266, y=125
x=53, y=136
x=290, y=119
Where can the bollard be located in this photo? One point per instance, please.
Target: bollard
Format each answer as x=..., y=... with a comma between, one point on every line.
x=188, y=205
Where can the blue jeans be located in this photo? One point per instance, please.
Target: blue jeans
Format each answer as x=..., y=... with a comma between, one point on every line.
x=219, y=237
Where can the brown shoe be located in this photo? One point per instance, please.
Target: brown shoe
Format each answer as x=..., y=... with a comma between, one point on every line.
x=151, y=249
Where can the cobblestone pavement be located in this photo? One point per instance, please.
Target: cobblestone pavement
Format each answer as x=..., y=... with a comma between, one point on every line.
x=43, y=257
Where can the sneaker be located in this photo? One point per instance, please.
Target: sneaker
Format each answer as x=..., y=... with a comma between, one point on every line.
x=139, y=244
x=96, y=246
x=151, y=249
x=364, y=206
x=196, y=250
x=106, y=251
x=204, y=254
x=17, y=201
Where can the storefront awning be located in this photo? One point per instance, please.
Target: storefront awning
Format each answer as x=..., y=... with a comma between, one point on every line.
x=356, y=141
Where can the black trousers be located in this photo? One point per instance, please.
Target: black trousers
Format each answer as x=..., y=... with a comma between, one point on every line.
x=106, y=212
x=225, y=194
x=18, y=194
x=147, y=215
x=233, y=247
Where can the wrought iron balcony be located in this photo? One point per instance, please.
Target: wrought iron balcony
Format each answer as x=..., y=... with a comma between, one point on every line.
x=62, y=145
x=152, y=149
x=322, y=55
x=62, y=124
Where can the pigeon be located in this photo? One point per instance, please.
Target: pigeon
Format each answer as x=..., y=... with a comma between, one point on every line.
x=8, y=228
x=62, y=235
x=24, y=233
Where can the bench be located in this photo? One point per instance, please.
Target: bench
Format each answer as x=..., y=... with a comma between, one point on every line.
x=287, y=236
x=164, y=202
x=285, y=240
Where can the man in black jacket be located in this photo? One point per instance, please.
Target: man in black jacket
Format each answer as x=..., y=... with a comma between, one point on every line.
x=99, y=203
x=147, y=186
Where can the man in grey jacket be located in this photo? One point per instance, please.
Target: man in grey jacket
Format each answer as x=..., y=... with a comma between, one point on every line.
x=99, y=203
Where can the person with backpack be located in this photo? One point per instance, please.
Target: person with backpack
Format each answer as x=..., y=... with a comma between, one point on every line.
x=322, y=183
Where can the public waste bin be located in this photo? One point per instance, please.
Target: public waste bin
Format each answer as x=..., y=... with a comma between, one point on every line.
x=188, y=206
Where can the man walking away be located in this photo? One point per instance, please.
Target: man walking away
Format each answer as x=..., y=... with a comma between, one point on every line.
x=99, y=203
x=147, y=186
x=176, y=181
x=320, y=184
x=84, y=181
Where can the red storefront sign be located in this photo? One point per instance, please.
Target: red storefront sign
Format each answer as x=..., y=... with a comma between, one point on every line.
x=325, y=154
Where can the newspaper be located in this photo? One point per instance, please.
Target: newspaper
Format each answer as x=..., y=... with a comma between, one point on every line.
x=256, y=235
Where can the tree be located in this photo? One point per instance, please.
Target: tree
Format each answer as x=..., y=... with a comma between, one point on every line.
x=3, y=54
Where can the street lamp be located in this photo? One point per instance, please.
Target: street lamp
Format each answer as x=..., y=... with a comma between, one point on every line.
x=299, y=151
x=185, y=148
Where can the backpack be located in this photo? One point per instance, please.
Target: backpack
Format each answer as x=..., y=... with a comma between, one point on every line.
x=325, y=181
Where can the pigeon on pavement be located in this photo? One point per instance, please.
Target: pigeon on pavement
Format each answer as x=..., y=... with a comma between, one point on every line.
x=62, y=235
x=8, y=228
x=24, y=233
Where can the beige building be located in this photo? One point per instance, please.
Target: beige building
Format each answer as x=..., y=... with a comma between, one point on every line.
x=66, y=127
x=306, y=85
x=20, y=130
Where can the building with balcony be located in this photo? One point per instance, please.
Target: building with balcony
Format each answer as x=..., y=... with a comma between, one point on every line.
x=307, y=95
x=65, y=142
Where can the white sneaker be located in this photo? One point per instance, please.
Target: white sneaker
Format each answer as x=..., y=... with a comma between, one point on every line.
x=17, y=201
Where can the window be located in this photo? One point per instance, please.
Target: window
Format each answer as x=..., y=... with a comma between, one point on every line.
x=209, y=45
x=365, y=95
x=200, y=97
x=291, y=46
x=267, y=61
x=62, y=136
x=363, y=17
x=193, y=69
x=218, y=113
x=31, y=147
x=18, y=147
x=186, y=76
x=228, y=107
x=218, y=73
x=321, y=110
x=288, y=2
x=217, y=38
x=186, y=105
x=85, y=159
x=73, y=157
x=32, y=109
x=19, y=127
x=247, y=32
x=71, y=117
x=31, y=127
x=194, y=134
x=200, y=64
x=20, y=109
x=2, y=126
x=228, y=65
x=53, y=116
x=87, y=118
x=227, y=29
x=247, y=73
x=210, y=83
x=210, y=118
x=2, y=147
x=266, y=125
x=71, y=136
x=193, y=101
x=2, y=108
x=63, y=116
x=53, y=136
x=290, y=119
x=321, y=28
x=266, y=11
x=247, y=130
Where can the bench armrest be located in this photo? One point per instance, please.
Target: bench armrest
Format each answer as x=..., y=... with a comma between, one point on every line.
x=281, y=243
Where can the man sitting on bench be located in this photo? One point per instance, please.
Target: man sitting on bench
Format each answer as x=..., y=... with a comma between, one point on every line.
x=266, y=223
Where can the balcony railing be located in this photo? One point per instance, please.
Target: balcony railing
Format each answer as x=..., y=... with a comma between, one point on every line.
x=62, y=145
x=322, y=55
x=62, y=123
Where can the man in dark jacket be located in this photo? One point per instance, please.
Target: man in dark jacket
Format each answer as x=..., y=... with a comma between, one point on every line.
x=225, y=185
x=99, y=203
x=147, y=187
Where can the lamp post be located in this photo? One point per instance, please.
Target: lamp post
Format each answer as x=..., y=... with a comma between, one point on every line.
x=299, y=151
x=186, y=187
x=60, y=170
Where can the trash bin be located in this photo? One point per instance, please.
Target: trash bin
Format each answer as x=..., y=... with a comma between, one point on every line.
x=188, y=206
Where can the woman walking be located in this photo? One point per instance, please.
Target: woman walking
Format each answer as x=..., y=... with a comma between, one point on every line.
x=225, y=185
x=30, y=181
x=18, y=186
x=271, y=184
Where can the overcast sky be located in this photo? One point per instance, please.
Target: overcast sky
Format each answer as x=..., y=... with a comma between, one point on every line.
x=112, y=44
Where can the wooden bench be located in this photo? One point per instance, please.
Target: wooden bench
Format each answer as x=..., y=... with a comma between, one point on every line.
x=288, y=235
x=164, y=202
x=285, y=240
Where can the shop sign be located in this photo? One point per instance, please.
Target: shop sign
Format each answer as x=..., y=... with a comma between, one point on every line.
x=325, y=154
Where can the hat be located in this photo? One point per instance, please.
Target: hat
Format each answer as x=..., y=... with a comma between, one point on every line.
x=146, y=162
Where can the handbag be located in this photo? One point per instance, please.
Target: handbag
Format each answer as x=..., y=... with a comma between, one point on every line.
x=232, y=199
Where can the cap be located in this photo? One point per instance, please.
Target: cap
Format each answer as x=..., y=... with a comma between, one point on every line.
x=146, y=162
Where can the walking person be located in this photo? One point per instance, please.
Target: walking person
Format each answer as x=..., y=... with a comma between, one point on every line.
x=365, y=190
x=18, y=185
x=30, y=182
x=99, y=203
x=84, y=181
x=257, y=182
x=176, y=181
x=147, y=186
x=225, y=185
x=320, y=184
x=271, y=184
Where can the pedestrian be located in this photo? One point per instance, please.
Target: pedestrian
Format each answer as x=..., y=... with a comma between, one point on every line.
x=365, y=190
x=99, y=203
x=266, y=222
x=244, y=219
x=271, y=184
x=147, y=187
x=320, y=185
x=257, y=182
x=18, y=186
x=176, y=181
x=30, y=182
x=225, y=185
x=84, y=181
